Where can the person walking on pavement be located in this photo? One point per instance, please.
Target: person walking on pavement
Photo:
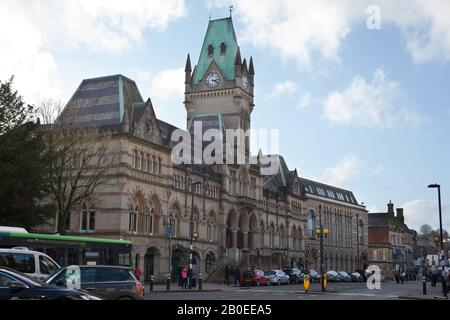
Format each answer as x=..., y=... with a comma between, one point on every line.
x=184, y=275
x=138, y=272
x=237, y=275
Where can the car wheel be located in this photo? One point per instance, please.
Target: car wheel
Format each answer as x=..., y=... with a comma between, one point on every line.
x=125, y=298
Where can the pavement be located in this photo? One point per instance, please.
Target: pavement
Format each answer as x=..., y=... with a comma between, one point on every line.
x=335, y=291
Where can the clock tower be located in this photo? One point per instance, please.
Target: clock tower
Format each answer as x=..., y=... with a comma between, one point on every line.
x=221, y=84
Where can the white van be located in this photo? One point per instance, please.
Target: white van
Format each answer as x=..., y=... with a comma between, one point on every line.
x=32, y=263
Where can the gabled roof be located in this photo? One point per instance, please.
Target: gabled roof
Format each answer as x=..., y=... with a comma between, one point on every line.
x=103, y=101
x=219, y=31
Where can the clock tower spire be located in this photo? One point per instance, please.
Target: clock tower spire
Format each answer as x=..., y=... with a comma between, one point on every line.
x=222, y=83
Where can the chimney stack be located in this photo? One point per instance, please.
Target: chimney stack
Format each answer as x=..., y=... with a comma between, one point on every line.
x=400, y=216
x=390, y=208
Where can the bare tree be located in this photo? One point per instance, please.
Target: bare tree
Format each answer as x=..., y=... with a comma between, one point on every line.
x=426, y=230
x=79, y=160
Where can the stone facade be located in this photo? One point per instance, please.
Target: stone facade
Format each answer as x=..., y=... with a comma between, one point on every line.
x=243, y=218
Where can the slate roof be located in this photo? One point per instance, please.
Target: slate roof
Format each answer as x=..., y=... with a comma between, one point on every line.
x=219, y=31
x=326, y=191
x=103, y=101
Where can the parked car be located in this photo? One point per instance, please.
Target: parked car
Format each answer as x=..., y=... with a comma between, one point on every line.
x=363, y=274
x=295, y=275
x=254, y=278
x=32, y=263
x=19, y=286
x=333, y=276
x=108, y=282
x=356, y=277
x=315, y=276
x=344, y=276
x=277, y=277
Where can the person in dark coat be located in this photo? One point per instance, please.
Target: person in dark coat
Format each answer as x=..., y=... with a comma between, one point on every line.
x=227, y=275
x=237, y=275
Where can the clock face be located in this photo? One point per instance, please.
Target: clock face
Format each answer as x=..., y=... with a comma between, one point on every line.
x=245, y=82
x=212, y=80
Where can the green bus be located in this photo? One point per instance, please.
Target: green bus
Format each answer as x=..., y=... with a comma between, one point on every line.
x=70, y=250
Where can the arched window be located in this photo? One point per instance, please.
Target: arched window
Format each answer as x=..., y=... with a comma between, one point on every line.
x=210, y=50
x=133, y=220
x=147, y=129
x=149, y=222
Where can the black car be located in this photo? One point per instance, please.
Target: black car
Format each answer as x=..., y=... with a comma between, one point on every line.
x=295, y=275
x=18, y=286
x=108, y=282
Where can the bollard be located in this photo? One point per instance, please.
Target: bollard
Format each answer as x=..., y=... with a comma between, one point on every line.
x=152, y=280
x=424, y=284
x=200, y=281
x=168, y=282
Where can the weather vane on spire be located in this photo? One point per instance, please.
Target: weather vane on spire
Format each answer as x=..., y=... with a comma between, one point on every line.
x=231, y=7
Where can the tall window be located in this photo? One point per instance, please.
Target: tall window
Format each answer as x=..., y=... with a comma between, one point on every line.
x=87, y=220
x=209, y=235
x=210, y=50
x=311, y=223
x=149, y=222
x=133, y=220
x=361, y=231
x=223, y=49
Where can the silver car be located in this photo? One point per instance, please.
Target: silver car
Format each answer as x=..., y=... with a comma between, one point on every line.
x=345, y=277
x=277, y=277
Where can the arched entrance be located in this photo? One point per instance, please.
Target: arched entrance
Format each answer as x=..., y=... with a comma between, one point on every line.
x=180, y=259
x=151, y=263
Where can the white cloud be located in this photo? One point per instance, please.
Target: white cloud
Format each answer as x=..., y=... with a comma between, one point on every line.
x=369, y=104
x=299, y=29
x=305, y=100
x=291, y=91
x=29, y=28
x=347, y=169
x=420, y=212
x=284, y=88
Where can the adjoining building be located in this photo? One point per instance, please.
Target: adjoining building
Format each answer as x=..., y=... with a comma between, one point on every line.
x=242, y=217
x=392, y=244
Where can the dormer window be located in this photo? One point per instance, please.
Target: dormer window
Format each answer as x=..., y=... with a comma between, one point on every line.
x=210, y=50
x=147, y=129
x=223, y=49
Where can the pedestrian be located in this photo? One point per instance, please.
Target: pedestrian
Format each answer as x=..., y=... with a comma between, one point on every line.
x=184, y=275
x=227, y=275
x=138, y=272
x=237, y=275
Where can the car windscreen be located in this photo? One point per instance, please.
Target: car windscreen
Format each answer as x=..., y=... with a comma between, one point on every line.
x=249, y=274
x=26, y=279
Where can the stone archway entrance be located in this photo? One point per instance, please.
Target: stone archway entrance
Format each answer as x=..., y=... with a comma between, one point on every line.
x=151, y=263
x=180, y=259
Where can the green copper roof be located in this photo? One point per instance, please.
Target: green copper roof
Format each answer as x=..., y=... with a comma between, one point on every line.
x=219, y=31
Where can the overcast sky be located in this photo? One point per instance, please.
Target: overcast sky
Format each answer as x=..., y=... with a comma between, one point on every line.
x=360, y=108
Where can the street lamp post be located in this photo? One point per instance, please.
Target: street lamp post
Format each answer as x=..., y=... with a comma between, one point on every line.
x=357, y=241
x=168, y=224
x=444, y=282
x=191, y=234
x=321, y=232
